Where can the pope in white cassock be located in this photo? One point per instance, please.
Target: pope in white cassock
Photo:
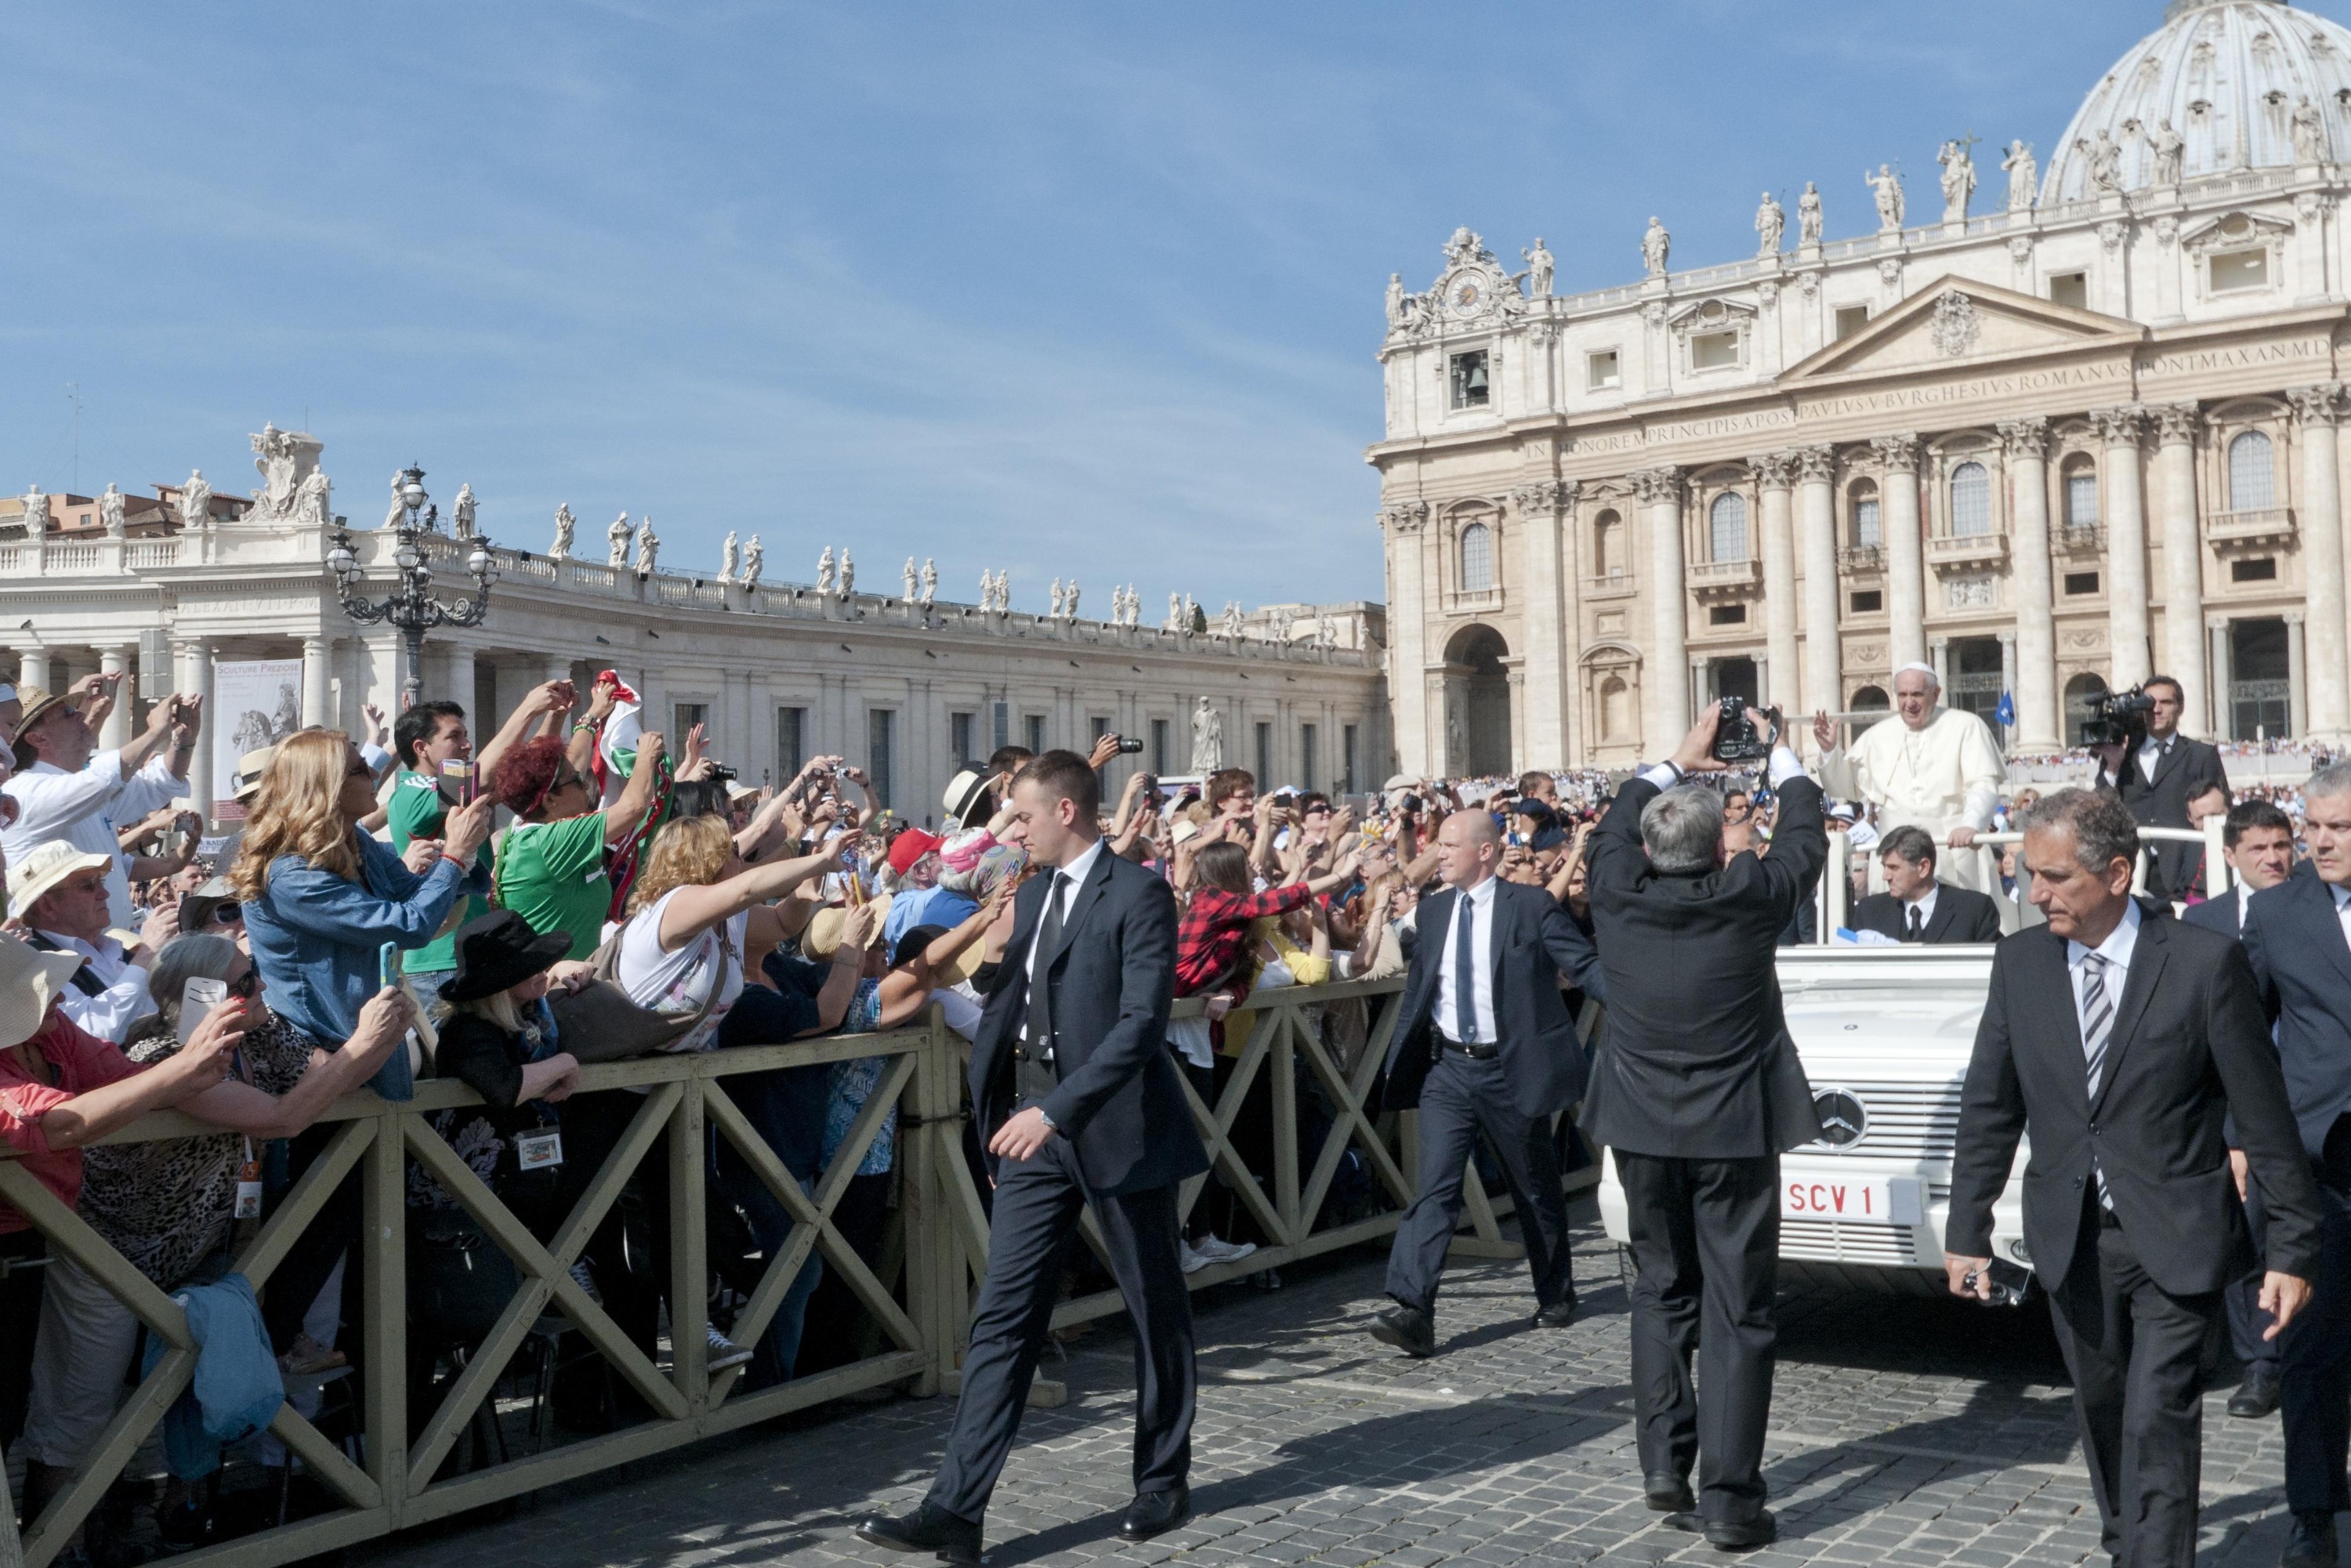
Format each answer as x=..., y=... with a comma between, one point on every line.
x=1925, y=766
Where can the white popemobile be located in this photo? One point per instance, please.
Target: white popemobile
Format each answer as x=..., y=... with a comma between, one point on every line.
x=1885, y=1034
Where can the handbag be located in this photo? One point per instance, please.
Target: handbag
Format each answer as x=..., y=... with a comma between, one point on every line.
x=600, y=1022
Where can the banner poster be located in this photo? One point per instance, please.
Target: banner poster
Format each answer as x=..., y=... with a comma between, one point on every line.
x=256, y=704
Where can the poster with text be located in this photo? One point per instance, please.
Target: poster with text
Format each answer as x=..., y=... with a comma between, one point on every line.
x=256, y=705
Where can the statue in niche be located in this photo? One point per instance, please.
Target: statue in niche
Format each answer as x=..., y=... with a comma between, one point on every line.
x=196, y=501
x=564, y=523
x=930, y=583
x=110, y=511
x=726, y=550
x=1958, y=179
x=1885, y=188
x=1207, y=737
x=753, y=557
x=2309, y=130
x=462, y=510
x=1808, y=215
x=2023, y=176
x=1770, y=224
x=648, y=545
x=1540, y=266
x=1656, y=246
x=616, y=540
x=824, y=571
x=2170, y=156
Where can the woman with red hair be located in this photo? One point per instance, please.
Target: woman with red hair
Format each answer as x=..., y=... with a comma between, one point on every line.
x=550, y=865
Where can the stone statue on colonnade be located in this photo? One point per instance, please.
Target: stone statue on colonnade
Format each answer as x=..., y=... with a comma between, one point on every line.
x=2170, y=156
x=564, y=525
x=36, y=512
x=1656, y=247
x=462, y=512
x=1207, y=737
x=2023, y=176
x=727, y=551
x=753, y=557
x=911, y=579
x=1770, y=224
x=1923, y=766
x=110, y=511
x=1958, y=179
x=648, y=546
x=196, y=501
x=617, y=537
x=1885, y=189
x=1808, y=215
x=930, y=583
x=848, y=573
x=824, y=571
x=1541, y=266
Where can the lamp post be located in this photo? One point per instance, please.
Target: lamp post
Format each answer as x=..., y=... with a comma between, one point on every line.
x=411, y=606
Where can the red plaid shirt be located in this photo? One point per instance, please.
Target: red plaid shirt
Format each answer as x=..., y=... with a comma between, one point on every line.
x=1215, y=931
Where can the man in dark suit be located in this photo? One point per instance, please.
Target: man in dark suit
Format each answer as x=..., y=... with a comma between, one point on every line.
x=2118, y=1040
x=1915, y=907
x=1485, y=1043
x=1077, y=1096
x=2158, y=777
x=2257, y=841
x=2295, y=935
x=1697, y=1091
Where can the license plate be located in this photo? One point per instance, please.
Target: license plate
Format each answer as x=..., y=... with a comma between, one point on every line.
x=1859, y=1202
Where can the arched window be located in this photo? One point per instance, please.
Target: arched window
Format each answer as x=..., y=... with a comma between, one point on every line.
x=1615, y=709
x=1608, y=546
x=1970, y=500
x=2252, y=473
x=1868, y=533
x=1871, y=699
x=1727, y=519
x=1477, y=559
x=2081, y=492
x=2082, y=695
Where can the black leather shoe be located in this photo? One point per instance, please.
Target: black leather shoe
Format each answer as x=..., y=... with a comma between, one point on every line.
x=1724, y=1535
x=1667, y=1492
x=929, y=1528
x=2257, y=1396
x=1408, y=1329
x=1557, y=1316
x=1155, y=1513
x=2313, y=1545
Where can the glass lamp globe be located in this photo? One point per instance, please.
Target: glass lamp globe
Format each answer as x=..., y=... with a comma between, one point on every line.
x=340, y=559
x=406, y=555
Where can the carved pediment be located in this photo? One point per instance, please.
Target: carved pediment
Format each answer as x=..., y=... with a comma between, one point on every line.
x=2233, y=231
x=1953, y=322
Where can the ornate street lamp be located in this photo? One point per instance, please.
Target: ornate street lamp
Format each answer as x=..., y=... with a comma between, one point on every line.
x=411, y=606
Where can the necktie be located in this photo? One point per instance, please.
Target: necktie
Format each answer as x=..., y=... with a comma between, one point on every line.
x=1040, y=980
x=1917, y=927
x=2097, y=1028
x=1465, y=969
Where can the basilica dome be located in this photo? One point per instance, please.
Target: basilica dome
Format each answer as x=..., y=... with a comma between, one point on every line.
x=2228, y=75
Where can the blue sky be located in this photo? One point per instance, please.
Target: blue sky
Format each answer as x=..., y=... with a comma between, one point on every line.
x=1087, y=290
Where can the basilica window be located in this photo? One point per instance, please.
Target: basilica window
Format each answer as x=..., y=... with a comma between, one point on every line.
x=1615, y=709
x=1603, y=372
x=2262, y=568
x=2235, y=270
x=1726, y=522
x=2252, y=473
x=2080, y=492
x=1970, y=500
x=1851, y=318
x=1868, y=533
x=1471, y=388
x=1714, y=351
x=2070, y=288
x=1477, y=559
x=1608, y=546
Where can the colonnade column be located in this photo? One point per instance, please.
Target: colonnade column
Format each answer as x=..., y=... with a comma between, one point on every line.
x=196, y=658
x=2297, y=677
x=2223, y=676
x=1659, y=491
x=1543, y=740
x=33, y=668
x=117, y=661
x=2037, y=729
x=1774, y=475
x=2008, y=670
x=2127, y=590
x=1824, y=688
x=1905, y=569
x=2315, y=411
x=1419, y=723
x=460, y=690
x=2183, y=561
x=316, y=654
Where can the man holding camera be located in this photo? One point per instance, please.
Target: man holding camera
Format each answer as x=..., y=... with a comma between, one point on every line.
x=1915, y=907
x=2158, y=771
x=1928, y=765
x=1697, y=1091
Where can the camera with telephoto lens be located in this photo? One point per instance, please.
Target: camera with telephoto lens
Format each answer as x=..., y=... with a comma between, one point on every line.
x=1736, y=736
x=2121, y=718
x=1129, y=746
x=722, y=773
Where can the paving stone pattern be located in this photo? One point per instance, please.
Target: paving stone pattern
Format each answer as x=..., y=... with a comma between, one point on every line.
x=1904, y=1430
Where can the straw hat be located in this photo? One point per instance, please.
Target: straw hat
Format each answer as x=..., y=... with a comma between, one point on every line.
x=822, y=940
x=965, y=791
x=30, y=980
x=249, y=768
x=39, y=703
x=43, y=867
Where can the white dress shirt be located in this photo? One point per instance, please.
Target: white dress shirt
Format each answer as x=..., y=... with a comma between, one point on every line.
x=1925, y=905
x=109, y=1014
x=1074, y=877
x=85, y=809
x=2116, y=950
x=1479, y=901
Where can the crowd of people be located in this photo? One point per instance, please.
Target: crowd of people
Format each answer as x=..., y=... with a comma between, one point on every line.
x=409, y=903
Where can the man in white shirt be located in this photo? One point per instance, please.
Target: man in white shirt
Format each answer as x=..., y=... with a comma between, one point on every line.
x=2257, y=842
x=58, y=894
x=1915, y=907
x=65, y=789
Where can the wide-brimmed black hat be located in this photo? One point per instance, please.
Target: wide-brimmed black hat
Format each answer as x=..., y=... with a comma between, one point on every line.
x=499, y=950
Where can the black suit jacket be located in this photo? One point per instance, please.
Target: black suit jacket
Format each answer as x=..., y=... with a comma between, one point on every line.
x=1120, y=1101
x=2189, y=1048
x=1695, y=1060
x=2304, y=968
x=2214, y=913
x=1535, y=941
x=1959, y=916
x=2186, y=769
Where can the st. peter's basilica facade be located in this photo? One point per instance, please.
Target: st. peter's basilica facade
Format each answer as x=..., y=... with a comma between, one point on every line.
x=2095, y=433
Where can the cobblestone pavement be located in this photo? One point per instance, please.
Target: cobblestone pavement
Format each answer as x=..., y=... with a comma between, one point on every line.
x=1904, y=1430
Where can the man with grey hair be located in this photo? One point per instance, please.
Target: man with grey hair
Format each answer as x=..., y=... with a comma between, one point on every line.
x=2119, y=1042
x=1697, y=1091
x=2297, y=935
x=1926, y=765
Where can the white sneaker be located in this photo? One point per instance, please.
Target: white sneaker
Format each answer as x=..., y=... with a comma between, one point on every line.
x=1220, y=1251
x=724, y=1352
x=1193, y=1262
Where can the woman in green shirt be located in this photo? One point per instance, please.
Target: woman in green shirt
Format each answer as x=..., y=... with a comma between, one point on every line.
x=550, y=865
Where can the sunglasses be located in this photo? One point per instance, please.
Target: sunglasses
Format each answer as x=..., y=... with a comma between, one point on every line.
x=246, y=987
x=227, y=914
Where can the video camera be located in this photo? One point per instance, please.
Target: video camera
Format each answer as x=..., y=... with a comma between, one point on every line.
x=1735, y=738
x=2121, y=718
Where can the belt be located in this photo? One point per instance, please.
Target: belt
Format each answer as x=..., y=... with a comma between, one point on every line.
x=1473, y=1050
x=1034, y=1076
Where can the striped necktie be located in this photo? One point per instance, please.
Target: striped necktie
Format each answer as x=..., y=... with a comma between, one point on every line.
x=2097, y=1030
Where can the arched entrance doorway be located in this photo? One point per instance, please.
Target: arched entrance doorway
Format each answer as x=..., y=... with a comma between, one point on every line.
x=1477, y=702
x=2082, y=695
